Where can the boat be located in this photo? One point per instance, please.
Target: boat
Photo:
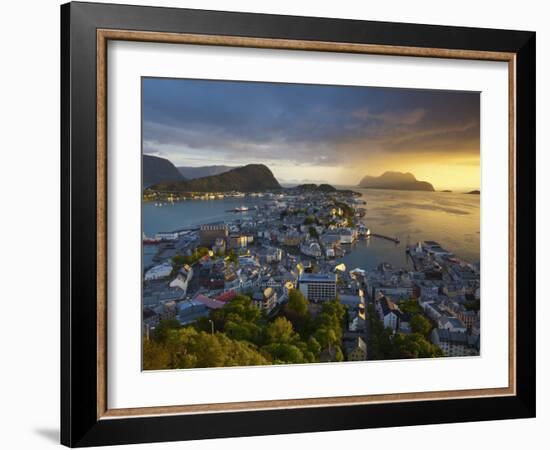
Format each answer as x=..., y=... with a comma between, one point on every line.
x=363, y=231
x=149, y=240
x=241, y=208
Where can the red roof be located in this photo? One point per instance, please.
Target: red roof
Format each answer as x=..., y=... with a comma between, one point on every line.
x=208, y=302
x=226, y=296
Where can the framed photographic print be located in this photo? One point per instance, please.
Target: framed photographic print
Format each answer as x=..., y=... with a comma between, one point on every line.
x=287, y=224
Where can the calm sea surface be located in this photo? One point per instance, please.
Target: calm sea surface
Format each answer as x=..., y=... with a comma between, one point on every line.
x=452, y=219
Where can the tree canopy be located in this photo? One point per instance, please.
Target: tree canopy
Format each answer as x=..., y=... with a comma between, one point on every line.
x=242, y=335
x=180, y=260
x=384, y=344
x=298, y=303
x=420, y=325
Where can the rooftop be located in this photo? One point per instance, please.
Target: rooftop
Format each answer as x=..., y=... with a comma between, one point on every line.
x=318, y=277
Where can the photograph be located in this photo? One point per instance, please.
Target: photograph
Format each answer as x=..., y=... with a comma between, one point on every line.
x=280, y=223
x=292, y=223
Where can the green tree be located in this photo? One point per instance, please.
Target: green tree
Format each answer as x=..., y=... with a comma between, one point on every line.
x=155, y=356
x=414, y=346
x=329, y=324
x=298, y=303
x=338, y=354
x=314, y=347
x=189, y=348
x=410, y=306
x=164, y=327
x=472, y=306
x=380, y=338
x=281, y=331
x=240, y=320
x=244, y=331
x=232, y=257
x=313, y=232
x=179, y=260
x=421, y=325
x=327, y=337
x=309, y=220
x=239, y=309
x=284, y=353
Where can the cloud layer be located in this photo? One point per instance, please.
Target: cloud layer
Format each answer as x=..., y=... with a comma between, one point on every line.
x=196, y=122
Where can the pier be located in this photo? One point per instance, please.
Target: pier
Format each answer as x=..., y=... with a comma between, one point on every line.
x=388, y=238
x=183, y=230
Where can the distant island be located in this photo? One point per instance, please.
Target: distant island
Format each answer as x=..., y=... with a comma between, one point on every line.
x=476, y=192
x=249, y=178
x=395, y=180
x=310, y=187
x=190, y=173
x=159, y=170
x=446, y=190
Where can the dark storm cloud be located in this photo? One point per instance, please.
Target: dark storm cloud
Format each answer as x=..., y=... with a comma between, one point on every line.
x=305, y=123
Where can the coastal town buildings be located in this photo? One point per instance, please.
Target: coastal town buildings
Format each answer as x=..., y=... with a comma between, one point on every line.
x=296, y=240
x=210, y=232
x=161, y=271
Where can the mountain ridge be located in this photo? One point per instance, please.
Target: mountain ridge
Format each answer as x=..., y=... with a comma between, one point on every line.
x=191, y=173
x=249, y=178
x=158, y=170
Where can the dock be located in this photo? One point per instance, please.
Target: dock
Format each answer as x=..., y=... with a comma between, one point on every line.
x=388, y=238
x=183, y=230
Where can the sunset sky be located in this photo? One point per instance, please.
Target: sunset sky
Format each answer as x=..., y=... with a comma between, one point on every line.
x=313, y=133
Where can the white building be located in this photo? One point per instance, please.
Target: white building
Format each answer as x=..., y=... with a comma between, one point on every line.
x=265, y=300
x=157, y=272
x=318, y=287
x=312, y=249
x=388, y=312
x=348, y=236
x=452, y=324
x=183, y=278
x=273, y=254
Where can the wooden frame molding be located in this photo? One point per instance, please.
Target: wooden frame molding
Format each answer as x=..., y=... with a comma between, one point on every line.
x=103, y=36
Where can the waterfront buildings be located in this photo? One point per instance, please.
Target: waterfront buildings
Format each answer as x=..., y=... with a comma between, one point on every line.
x=210, y=232
x=157, y=272
x=348, y=236
x=219, y=246
x=167, y=236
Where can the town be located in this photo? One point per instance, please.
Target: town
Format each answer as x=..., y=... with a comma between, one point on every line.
x=268, y=287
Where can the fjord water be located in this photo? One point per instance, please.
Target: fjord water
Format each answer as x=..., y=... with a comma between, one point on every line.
x=452, y=219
